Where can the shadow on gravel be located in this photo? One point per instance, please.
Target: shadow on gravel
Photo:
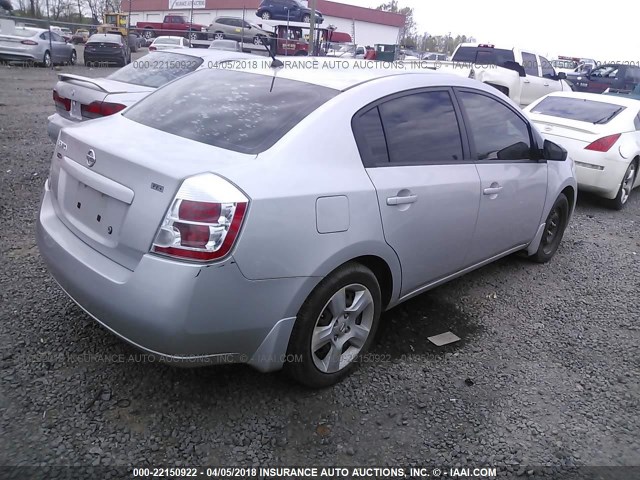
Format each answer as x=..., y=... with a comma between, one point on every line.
x=405, y=329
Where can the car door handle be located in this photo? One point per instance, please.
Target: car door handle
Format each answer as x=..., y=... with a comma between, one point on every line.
x=546, y=84
x=402, y=200
x=526, y=81
x=492, y=190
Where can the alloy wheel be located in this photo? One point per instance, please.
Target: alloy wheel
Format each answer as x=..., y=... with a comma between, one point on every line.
x=627, y=183
x=342, y=329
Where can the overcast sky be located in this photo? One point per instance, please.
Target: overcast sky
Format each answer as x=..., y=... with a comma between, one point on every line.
x=551, y=27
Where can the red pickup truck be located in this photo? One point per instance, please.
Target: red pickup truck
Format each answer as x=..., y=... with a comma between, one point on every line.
x=176, y=25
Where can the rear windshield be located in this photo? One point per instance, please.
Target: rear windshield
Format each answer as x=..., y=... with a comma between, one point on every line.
x=167, y=41
x=578, y=109
x=483, y=55
x=156, y=69
x=105, y=38
x=239, y=111
x=22, y=33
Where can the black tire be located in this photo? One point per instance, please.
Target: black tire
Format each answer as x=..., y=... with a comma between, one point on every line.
x=306, y=18
x=148, y=34
x=46, y=60
x=218, y=36
x=266, y=15
x=301, y=53
x=257, y=40
x=73, y=58
x=555, y=225
x=626, y=186
x=314, y=311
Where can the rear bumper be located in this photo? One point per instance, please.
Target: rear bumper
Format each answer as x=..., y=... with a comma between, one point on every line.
x=186, y=313
x=600, y=176
x=55, y=123
x=103, y=58
x=17, y=56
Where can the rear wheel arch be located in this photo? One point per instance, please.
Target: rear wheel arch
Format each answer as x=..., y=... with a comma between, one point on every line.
x=382, y=271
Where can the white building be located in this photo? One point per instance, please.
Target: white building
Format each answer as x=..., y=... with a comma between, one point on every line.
x=368, y=25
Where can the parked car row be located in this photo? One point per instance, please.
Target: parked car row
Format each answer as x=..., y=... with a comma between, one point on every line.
x=36, y=45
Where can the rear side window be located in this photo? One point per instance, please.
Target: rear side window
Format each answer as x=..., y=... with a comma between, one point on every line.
x=578, y=109
x=239, y=111
x=483, y=55
x=498, y=133
x=421, y=128
x=632, y=75
x=530, y=64
x=156, y=69
x=370, y=138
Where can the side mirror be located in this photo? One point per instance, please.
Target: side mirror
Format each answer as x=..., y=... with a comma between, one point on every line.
x=553, y=151
x=562, y=76
x=516, y=67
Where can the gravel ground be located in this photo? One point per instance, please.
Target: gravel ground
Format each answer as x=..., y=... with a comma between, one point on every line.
x=546, y=374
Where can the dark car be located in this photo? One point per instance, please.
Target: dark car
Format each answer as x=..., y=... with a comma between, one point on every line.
x=291, y=10
x=107, y=48
x=611, y=75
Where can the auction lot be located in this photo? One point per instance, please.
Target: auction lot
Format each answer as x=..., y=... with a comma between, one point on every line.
x=544, y=379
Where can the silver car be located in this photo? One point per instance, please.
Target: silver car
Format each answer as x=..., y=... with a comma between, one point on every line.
x=234, y=28
x=26, y=44
x=199, y=226
x=79, y=98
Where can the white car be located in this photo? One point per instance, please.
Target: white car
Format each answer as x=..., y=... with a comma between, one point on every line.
x=601, y=134
x=166, y=43
x=79, y=98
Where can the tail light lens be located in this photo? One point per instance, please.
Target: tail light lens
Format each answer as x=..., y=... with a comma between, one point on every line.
x=28, y=42
x=603, y=144
x=152, y=48
x=204, y=220
x=61, y=102
x=101, y=109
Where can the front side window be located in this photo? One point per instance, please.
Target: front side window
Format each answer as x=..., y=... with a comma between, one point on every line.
x=547, y=68
x=530, y=64
x=422, y=128
x=498, y=133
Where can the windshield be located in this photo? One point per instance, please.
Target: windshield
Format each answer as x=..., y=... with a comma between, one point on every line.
x=483, y=55
x=578, y=109
x=239, y=111
x=156, y=69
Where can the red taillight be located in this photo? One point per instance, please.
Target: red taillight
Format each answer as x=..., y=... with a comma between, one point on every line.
x=62, y=102
x=152, y=48
x=101, y=109
x=28, y=42
x=203, y=221
x=603, y=144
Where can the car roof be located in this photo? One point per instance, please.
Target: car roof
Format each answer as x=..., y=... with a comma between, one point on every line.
x=597, y=97
x=345, y=74
x=212, y=55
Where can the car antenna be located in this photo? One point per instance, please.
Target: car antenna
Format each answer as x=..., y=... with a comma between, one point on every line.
x=275, y=62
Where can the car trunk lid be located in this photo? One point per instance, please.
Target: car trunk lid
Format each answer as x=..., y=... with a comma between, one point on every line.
x=117, y=205
x=76, y=93
x=582, y=132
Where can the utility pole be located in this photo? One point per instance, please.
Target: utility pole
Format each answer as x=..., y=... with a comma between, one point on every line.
x=312, y=25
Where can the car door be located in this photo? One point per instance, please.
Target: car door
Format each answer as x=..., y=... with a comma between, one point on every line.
x=599, y=79
x=532, y=84
x=58, y=48
x=513, y=183
x=428, y=189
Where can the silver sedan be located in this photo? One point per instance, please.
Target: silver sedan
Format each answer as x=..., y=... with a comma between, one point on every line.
x=26, y=44
x=202, y=226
